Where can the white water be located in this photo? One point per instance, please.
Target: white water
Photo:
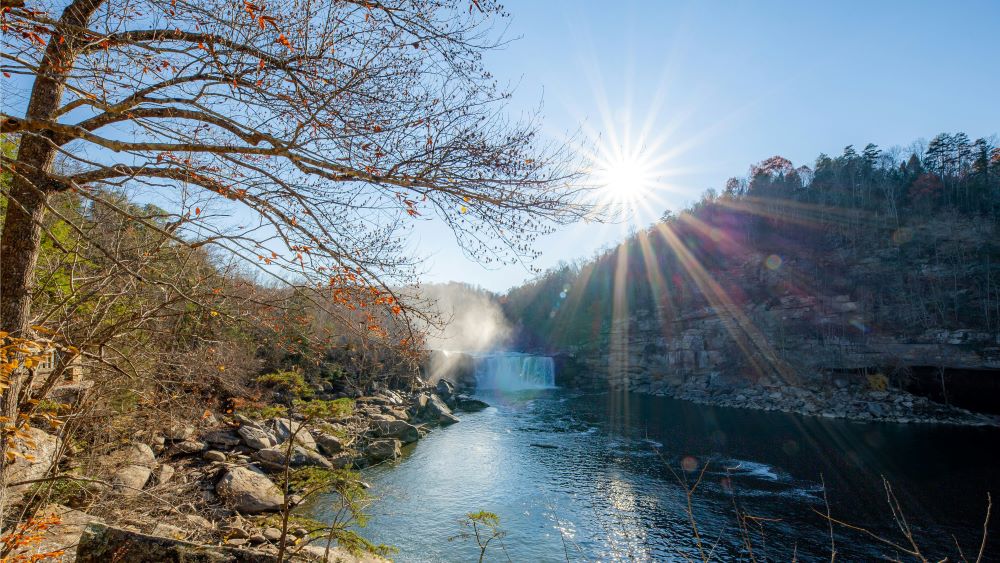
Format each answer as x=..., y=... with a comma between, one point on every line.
x=512, y=372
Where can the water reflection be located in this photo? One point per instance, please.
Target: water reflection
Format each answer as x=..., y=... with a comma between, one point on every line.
x=574, y=477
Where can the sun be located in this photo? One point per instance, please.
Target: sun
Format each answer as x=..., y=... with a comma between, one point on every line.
x=625, y=178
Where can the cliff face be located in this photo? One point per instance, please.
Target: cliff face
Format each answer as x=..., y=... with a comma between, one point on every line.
x=901, y=332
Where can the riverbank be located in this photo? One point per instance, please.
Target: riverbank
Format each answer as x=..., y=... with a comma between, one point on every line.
x=853, y=398
x=223, y=473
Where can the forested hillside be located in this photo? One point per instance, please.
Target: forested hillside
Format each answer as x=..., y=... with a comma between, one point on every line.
x=871, y=261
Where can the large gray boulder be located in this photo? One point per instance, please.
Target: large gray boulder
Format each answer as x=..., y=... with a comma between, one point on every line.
x=64, y=535
x=283, y=428
x=274, y=457
x=222, y=438
x=436, y=410
x=382, y=450
x=446, y=390
x=187, y=447
x=248, y=490
x=135, y=465
x=402, y=431
x=330, y=444
x=178, y=431
x=337, y=554
x=257, y=437
x=468, y=404
x=42, y=456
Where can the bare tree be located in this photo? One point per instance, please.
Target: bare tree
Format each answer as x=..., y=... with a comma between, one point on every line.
x=313, y=130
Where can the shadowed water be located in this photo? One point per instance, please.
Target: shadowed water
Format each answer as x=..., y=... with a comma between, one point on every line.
x=587, y=477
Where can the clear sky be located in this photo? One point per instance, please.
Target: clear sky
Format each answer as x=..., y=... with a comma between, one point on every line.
x=717, y=86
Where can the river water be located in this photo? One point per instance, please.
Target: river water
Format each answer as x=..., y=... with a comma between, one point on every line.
x=590, y=477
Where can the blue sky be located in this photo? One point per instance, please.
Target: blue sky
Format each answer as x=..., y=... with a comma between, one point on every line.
x=718, y=86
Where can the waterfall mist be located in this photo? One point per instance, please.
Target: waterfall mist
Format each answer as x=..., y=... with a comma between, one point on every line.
x=471, y=323
x=472, y=320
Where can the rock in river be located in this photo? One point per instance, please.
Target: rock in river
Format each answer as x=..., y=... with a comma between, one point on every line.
x=468, y=404
x=436, y=410
x=381, y=450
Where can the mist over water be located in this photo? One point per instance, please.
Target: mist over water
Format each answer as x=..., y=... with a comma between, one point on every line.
x=471, y=325
x=472, y=319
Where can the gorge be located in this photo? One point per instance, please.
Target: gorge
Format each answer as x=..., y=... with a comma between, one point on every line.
x=600, y=475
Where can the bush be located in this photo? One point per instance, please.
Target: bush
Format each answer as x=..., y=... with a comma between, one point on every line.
x=290, y=381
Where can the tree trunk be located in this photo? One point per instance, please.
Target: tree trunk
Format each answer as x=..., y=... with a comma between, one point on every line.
x=31, y=186
x=19, y=245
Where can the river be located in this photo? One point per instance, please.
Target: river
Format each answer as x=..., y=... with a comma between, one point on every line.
x=584, y=476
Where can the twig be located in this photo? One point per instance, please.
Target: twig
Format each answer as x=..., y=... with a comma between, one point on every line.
x=986, y=522
x=829, y=521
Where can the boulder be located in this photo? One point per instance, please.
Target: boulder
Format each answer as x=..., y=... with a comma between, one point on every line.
x=169, y=531
x=468, y=404
x=163, y=473
x=420, y=403
x=393, y=397
x=446, y=418
x=224, y=438
x=342, y=460
x=178, y=432
x=402, y=431
x=394, y=412
x=876, y=409
x=248, y=490
x=199, y=522
x=437, y=411
x=329, y=444
x=382, y=450
x=235, y=531
x=43, y=451
x=62, y=536
x=257, y=437
x=337, y=554
x=445, y=389
x=135, y=465
x=187, y=447
x=214, y=455
x=257, y=538
x=283, y=428
x=274, y=457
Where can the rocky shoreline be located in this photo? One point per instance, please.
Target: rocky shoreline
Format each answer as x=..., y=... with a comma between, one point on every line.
x=851, y=404
x=223, y=470
x=837, y=397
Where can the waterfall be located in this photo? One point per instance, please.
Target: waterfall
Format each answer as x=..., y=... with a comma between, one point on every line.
x=512, y=371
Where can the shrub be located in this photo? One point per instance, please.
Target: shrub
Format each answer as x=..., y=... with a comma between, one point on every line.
x=290, y=381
